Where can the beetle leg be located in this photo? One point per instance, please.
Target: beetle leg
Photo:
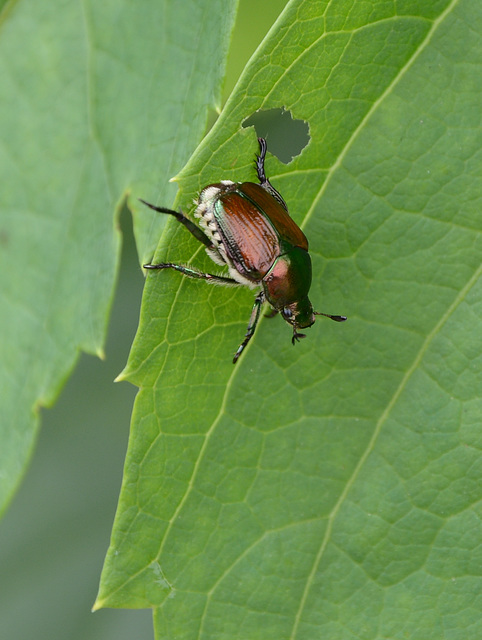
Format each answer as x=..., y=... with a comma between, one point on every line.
x=190, y=226
x=260, y=161
x=297, y=336
x=263, y=180
x=253, y=321
x=271, y=313
x=193, y=273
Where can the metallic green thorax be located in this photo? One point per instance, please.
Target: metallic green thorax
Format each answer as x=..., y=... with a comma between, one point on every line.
x=286, y=286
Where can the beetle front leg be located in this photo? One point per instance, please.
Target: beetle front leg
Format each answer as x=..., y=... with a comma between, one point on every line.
x=253, y=321
x=190, y=226
x=271, y=313
x=193, y=273
x=297, y=336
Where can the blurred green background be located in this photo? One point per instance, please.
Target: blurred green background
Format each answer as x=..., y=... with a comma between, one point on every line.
x=55, y=534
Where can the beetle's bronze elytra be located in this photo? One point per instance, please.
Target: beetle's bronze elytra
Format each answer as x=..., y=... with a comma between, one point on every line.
x=247, y=227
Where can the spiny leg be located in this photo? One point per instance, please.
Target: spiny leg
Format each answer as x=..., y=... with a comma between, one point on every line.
x=190, y=226
x=193, y=273
x=263, y=180
x=253, y=321
x=260, y=160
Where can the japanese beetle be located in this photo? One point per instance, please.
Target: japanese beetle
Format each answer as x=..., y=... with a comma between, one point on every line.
x=247, y=227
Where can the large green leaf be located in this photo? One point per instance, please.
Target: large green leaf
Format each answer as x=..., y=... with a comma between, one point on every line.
x=329, y=490
x=84, y=121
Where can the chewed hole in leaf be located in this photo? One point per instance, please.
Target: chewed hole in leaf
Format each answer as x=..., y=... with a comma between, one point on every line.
x=286, y=137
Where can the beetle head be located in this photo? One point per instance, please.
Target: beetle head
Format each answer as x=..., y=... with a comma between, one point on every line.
x=300, y=316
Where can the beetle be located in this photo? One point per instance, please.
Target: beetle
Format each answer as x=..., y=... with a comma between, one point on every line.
x=247, y=227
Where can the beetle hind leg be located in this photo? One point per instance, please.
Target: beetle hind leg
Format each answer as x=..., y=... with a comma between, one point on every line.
x=260, y=161
x=263, y=180
x=190, y=226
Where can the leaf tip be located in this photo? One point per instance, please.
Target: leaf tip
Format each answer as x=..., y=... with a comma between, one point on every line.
x=97, y=605
x=121, y=377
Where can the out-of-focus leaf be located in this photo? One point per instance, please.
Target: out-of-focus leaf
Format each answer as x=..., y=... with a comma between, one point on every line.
x=92, y=110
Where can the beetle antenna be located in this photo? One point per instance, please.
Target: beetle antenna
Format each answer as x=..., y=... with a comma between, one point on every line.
x=327, y=315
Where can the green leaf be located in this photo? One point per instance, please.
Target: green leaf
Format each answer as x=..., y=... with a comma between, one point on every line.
x=84, y=123
x=329, y=490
